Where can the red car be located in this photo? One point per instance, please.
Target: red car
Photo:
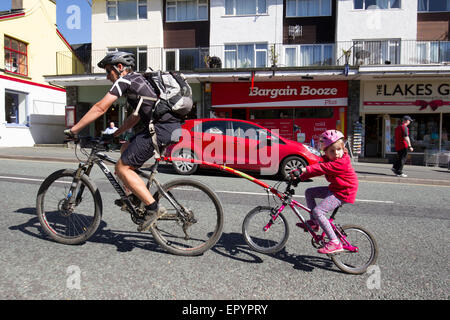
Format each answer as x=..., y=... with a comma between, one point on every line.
x=241, y=145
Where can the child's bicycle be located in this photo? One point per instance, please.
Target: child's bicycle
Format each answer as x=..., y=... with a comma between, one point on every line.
x=266, y=230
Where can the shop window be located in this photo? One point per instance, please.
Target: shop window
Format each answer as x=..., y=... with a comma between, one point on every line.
x=271, y=114
x=318, y=113
x=445, y=140
x=16, y=56
x=423, y=131
x=15, y=108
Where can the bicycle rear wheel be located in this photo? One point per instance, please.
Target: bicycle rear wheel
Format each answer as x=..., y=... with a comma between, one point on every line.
x=270, y=241
x=64, y=222
x=361, y=252
x=194, y=220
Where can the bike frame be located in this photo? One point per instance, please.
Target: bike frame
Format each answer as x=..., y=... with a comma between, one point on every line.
x=286, y=199
x=97, y=158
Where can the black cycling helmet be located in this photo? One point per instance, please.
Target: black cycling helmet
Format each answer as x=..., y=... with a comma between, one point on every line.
x=113, y=58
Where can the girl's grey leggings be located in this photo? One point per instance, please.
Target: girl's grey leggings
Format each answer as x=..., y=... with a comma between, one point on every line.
x=328, y=204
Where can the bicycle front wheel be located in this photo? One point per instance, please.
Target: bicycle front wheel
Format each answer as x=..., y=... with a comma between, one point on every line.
x=265, y=241
x=65, y=221
x=194, y=219
x=361, y=250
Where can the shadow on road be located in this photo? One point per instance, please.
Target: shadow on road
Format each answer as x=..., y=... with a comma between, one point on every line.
x=124, y=240
x=232, y=245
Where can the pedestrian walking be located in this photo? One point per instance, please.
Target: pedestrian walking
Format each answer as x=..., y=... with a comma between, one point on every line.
x=402, y=146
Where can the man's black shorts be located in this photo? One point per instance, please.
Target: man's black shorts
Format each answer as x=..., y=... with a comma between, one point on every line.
x=139, y=150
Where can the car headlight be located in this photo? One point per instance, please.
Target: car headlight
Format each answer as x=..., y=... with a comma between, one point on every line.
x=312, y=150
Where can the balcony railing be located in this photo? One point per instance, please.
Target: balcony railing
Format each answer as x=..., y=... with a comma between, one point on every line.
x=264, y=55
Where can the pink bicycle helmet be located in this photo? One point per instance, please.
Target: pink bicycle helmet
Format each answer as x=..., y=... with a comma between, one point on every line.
x=329, y=137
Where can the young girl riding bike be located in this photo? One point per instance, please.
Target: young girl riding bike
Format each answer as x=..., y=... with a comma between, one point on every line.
x=343, y=186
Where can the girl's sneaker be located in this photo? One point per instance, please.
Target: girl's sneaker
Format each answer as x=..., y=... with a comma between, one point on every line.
x=312, y=224
x=331, y=248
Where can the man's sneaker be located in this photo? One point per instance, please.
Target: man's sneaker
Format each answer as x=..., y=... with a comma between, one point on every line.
x=394, y=171
x=311, y=223
x=150, y=218
x=402, y=175
x=331, y=248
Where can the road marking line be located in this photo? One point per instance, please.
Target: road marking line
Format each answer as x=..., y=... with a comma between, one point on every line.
x=18, y=178
x=31, y=179
x=219, y=191
x=296, y=196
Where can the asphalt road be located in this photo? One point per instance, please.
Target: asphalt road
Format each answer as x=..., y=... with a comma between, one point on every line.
x=409, y=221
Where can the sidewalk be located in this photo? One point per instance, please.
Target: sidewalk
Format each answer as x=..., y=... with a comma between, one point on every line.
x=366, y=171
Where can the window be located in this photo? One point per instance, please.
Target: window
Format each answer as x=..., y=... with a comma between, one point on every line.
x=185, y=59
x=423, y=131
x=376, y=4
x=376, y=52
x=245, y=55
x=245, y=7
x=140, y=54
x=308, y=8
x=316, y=113
x=249, y=131
x=16, y=59
x=186, y=10
x=433, y=5
x=212, y=127
x=15, y=107
x=433, y=51
x=126, y=9
x=309, y=55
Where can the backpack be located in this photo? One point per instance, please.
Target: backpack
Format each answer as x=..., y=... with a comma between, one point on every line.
x=174, y=93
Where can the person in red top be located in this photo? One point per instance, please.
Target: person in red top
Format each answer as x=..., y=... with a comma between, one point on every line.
x=343, y=186
x=402, y=145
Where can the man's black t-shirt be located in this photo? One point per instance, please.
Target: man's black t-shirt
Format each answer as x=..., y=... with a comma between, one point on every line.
x=133, y=85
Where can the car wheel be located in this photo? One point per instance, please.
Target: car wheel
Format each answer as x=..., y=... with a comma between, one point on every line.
x=291, y=163
x=184, y=167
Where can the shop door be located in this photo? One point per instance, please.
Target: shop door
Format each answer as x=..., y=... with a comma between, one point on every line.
x=373, y=136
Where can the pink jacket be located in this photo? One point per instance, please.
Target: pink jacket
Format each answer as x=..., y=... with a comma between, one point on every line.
x=341, y=175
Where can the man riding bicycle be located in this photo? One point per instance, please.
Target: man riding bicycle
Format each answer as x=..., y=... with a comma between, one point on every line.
x=119, y=70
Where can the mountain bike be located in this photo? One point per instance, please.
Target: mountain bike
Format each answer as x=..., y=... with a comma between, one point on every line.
x=266, y=230
x=69, y=204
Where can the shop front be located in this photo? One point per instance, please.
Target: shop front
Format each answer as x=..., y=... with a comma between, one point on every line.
x=426, y=101
x=300, y=111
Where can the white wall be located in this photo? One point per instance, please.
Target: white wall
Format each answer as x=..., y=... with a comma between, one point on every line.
x=245, y=29
x=45, y=104
x=131, y=33
x=376, y=23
